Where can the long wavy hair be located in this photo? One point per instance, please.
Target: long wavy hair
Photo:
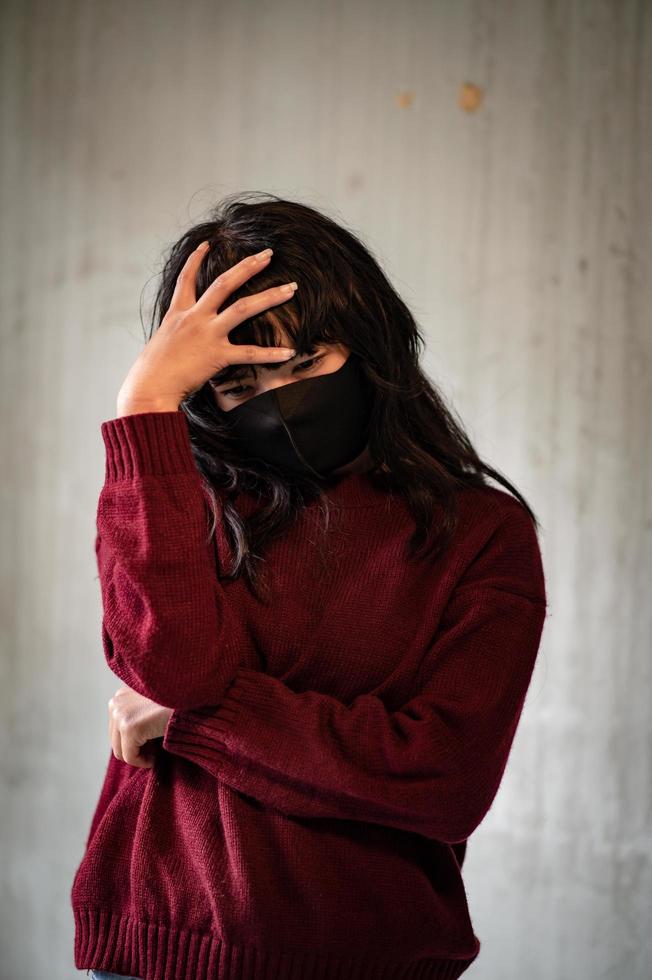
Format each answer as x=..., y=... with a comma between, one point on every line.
x=417, y=443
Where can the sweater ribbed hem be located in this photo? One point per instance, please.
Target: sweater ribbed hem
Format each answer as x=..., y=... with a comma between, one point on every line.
x=121, y=943
x=147, y=443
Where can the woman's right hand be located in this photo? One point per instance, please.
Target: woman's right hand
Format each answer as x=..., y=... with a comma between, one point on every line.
x=192, y=342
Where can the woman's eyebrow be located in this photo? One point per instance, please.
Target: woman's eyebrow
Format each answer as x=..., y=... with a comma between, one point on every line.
x=243, y=370
x=274, y=365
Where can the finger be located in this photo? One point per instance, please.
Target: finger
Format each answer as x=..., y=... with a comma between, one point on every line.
x=250, y=354
x=226, y=283
x=116, y=741
x=185, y=290
x=134, y=755
x=111, y=727
x=249, y=306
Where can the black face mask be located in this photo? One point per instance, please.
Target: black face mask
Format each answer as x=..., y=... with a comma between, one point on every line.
x=308, y=427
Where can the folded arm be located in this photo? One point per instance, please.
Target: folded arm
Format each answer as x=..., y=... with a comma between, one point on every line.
x=432, y=767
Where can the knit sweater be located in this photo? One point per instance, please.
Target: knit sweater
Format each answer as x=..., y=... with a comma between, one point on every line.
x=328, y=754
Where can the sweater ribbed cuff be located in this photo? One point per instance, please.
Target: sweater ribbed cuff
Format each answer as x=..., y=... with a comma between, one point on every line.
x=189, y=732
x=147, y=443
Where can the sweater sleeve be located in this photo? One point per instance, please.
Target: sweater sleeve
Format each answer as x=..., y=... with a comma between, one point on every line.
x=167, y=630
x=433, y=766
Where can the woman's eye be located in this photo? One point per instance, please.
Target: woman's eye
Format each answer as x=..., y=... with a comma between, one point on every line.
x=235, y=391
x=305, y=365
x=311, y=362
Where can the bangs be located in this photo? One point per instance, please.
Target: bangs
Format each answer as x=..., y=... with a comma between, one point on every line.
x=275, y=327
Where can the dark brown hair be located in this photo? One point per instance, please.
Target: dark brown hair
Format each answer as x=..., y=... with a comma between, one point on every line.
x=418, y=445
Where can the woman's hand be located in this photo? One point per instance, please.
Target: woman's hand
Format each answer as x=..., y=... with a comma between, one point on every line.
x=133, y=721
x=192, y=342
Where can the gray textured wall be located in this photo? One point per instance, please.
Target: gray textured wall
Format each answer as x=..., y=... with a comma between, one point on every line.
x=520, y=234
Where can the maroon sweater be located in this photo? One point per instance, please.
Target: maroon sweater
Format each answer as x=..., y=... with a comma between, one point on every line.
x=329, y=754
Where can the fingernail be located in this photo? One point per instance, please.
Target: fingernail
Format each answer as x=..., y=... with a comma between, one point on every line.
x=204, y=245
x=264, y=254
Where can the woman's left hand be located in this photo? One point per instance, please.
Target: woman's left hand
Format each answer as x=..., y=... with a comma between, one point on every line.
x=133, y=721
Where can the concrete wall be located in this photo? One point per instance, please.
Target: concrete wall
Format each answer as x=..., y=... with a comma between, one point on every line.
x=519, y=232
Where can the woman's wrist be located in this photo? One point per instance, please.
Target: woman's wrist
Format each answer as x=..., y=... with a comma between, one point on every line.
x=135, y=404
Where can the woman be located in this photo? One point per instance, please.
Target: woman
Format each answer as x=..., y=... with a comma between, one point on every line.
x=324, y=617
